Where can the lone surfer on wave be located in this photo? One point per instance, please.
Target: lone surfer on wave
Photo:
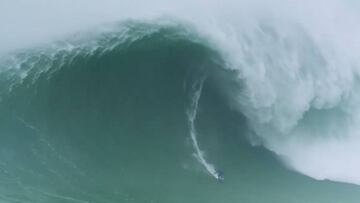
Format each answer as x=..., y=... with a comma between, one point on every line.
x=219, y=175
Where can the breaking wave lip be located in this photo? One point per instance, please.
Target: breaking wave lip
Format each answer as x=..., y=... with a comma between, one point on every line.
x=297, y=81
x=16, y=66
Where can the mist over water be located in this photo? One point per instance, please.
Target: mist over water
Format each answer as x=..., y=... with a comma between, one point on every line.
x=78, y=75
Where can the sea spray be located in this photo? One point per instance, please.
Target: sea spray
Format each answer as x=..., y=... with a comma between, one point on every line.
x=196, y=89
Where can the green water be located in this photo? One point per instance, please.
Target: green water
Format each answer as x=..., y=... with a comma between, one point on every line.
x=111, y=126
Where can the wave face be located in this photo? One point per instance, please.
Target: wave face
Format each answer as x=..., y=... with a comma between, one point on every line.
x=97, y=116
x=155, y=109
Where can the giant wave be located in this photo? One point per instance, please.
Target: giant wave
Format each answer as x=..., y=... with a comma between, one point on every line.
x=289, y=80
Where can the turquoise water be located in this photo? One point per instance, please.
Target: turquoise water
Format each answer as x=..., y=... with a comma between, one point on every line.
x=106, y=121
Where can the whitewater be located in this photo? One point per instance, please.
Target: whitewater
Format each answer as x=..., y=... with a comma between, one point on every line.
x=292, y=68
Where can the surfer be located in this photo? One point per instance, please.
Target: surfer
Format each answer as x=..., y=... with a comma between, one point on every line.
x=219, y=176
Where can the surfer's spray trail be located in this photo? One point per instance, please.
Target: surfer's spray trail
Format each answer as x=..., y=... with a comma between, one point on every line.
x=195, y=94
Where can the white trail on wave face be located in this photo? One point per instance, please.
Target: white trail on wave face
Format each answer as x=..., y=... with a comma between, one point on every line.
x=192, y=113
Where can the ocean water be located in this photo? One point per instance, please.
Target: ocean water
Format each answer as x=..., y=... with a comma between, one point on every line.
x=241, y=102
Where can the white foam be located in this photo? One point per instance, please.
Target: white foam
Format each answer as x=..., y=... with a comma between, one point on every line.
x=299, y=76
